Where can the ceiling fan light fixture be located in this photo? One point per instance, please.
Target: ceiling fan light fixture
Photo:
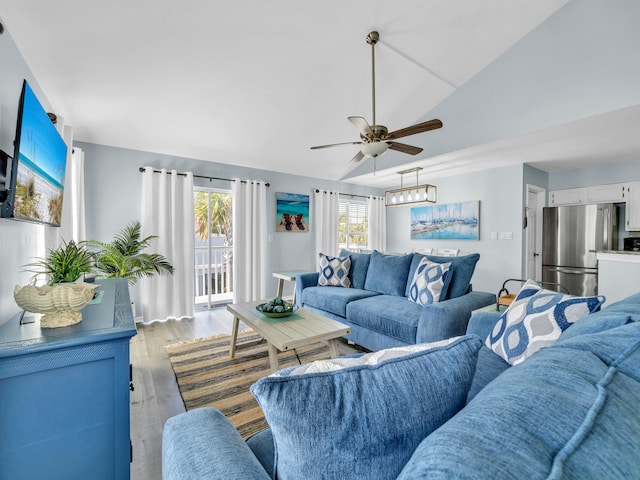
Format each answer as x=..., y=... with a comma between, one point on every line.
x=373, y=149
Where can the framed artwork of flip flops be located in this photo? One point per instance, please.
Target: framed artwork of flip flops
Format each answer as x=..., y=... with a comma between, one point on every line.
x=292, y=212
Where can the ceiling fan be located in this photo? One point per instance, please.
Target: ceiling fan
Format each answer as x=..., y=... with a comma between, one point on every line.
x=376, y=139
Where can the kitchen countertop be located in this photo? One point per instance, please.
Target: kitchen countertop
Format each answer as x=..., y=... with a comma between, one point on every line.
x=619, y=256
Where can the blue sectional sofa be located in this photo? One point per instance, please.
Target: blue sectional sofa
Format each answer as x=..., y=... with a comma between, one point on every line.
x=376, y=306
x=569, y=411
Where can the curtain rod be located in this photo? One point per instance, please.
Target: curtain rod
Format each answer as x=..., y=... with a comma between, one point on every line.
x=350, y=194
x=142, y=169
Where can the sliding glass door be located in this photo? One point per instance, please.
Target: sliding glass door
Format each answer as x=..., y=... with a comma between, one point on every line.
x=213, y=247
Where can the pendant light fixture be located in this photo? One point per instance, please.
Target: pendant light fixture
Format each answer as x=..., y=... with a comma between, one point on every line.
x=410, y=195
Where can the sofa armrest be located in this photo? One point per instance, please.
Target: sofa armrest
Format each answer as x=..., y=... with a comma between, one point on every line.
x=303, y=281
x=203, y=445
x=482, y=323
x=450, y=318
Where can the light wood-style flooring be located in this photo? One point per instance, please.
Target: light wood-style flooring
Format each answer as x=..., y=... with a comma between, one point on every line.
x=156, y=397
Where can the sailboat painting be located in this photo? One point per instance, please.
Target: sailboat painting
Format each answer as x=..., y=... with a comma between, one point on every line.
x=454, y=221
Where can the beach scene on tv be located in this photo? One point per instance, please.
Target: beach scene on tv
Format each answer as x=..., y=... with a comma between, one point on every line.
x=292, y=212
x=41, y=166
x=454, y=221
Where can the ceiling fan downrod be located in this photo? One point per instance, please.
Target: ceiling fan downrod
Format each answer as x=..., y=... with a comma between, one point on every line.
x=372, y=39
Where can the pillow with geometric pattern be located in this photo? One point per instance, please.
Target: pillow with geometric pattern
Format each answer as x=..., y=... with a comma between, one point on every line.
x=334, y=271
x=535, y=319
x=428, y=282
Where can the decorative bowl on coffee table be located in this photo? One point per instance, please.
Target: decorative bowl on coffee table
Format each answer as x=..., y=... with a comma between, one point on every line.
x=277, y=308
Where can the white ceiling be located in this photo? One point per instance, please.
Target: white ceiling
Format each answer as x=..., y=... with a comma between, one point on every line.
x=256, y=83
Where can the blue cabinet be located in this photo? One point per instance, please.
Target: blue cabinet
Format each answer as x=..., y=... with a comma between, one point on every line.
x=64, y=393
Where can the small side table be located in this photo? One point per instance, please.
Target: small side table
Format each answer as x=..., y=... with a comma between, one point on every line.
x=491, y=309
x=288, y=276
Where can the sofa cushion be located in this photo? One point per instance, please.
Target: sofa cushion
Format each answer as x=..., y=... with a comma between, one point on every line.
x=359, y=267
x=461, y=271
x=392, y=316
x=388, y=273
x=197, y=444
x=334, y=271
x=428, y=283
x=535, y=320
x=261, y=445
x=489, y=366
x=594, y=323
x=336, y=424
x=333, y=299
x=570, y=411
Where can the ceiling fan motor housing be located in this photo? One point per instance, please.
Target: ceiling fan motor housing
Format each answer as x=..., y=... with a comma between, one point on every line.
x=379, y=133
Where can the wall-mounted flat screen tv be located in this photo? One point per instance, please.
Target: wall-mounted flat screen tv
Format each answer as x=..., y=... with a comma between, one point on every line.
x=38, y=168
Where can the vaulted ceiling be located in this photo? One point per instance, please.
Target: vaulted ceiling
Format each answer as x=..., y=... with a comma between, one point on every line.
x=256, y=83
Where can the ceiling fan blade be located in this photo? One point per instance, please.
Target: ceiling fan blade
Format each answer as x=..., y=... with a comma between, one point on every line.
x=404, y=148
x=412, y=130
x=335, y=145
x=362, y=125
x=358, y=157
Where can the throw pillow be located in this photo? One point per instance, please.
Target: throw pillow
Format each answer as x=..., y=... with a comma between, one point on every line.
x=535, y=320
x=460, y=273
x=359, y=267
x=334, y=271
x=428, y=282
x=387, y=274
x=364, y=420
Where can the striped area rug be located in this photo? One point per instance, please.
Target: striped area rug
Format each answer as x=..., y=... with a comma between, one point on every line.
x=207, y=377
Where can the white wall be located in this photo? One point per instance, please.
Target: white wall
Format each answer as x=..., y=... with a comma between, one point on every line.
x=500, y=194
x=628, y=171
x=113, y=198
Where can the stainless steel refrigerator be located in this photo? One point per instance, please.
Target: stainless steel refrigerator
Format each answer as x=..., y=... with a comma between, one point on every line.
x=571, y=237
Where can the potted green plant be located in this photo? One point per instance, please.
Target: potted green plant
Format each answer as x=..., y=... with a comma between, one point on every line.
x=124, y=257
x=66, y=263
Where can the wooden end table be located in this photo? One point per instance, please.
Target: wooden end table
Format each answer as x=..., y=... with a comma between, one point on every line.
x=288, y=276
x=297, y=330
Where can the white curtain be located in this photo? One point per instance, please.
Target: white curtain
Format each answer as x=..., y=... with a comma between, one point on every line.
x=72, y=226
x=249, y=240
x=326, y=213
x=167, y=211
x=377, y=214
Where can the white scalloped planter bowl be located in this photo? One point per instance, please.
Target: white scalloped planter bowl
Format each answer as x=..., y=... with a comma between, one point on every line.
x=60, y=304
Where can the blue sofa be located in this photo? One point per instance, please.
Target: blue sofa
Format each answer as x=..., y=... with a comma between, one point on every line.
x=377, y=309
x=568, y=411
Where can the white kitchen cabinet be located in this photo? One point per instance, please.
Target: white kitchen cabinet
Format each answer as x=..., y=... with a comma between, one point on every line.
x=612, y=193
x=618, y=274
x=567, y=196
x=633, y=207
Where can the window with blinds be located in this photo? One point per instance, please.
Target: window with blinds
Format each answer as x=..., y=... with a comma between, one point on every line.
x=353, y=226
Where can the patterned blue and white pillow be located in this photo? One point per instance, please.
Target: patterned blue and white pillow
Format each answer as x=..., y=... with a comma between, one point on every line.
x=428, y=282
x=334, y=271
x=535, y=320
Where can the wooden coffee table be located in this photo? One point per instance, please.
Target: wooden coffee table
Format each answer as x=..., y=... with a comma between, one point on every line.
x=297, y=330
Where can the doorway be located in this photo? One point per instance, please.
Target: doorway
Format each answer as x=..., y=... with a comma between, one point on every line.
x=536, y=201
x=213, y=268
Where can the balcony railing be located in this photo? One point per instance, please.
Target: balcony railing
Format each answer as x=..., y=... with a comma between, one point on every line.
x=213, y=275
